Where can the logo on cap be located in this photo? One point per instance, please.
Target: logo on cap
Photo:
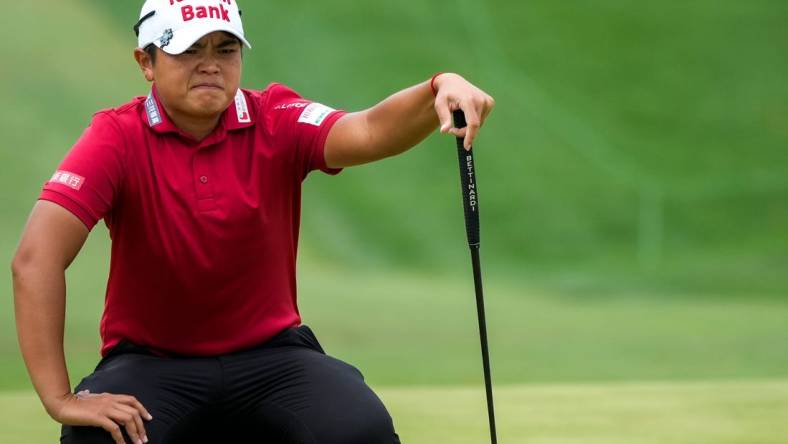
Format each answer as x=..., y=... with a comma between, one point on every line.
x=166, y=38
x=159, y=19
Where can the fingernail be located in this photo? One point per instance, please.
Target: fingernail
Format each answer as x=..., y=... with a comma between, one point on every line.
x=444, y=128
x=150, y=417
x=145, y=438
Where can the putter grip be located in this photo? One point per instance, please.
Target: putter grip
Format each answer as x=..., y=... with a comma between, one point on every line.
x=470, y=198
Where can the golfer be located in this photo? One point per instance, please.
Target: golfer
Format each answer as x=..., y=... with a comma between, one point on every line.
x=199, y=184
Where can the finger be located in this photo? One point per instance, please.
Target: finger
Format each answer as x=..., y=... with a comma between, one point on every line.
x=474, y=123
x=459, y=132
x=489, y=104
x=135, y=415
x=444, y=113
x=126, y=419
x=113, y=428
x=132, y=401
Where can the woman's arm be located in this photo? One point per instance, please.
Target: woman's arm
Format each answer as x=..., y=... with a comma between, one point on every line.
x=406, y=118
x=50, y=242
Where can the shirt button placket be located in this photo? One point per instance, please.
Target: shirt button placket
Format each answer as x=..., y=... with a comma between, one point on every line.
x=203, y=185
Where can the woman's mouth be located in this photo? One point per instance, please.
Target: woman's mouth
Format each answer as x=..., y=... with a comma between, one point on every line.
x=207, y=86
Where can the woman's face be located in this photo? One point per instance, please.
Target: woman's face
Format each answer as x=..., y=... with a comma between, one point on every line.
x=202, y=81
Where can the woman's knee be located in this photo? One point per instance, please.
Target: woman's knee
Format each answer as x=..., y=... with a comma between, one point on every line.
x=375, y=427
x=368, y=426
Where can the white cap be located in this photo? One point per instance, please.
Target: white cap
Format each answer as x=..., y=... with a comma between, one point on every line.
x=174, y=25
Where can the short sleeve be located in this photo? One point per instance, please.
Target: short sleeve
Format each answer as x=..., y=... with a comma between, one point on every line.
x=88, y=179
x=301, y=124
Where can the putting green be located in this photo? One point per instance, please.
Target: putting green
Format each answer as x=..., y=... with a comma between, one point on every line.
x=707, y=412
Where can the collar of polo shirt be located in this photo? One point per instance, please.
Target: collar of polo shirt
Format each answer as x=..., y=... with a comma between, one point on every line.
x=238, y=115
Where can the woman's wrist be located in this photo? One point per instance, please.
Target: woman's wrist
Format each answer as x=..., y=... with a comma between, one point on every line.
x=432, y=83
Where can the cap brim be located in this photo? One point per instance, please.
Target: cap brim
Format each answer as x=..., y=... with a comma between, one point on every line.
x=183, y=39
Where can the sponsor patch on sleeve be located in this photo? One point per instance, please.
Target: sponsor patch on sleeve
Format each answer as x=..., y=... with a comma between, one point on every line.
x=67, y=178
x=315, y=114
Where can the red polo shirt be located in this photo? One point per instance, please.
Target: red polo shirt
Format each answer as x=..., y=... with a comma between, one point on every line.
x=204, y=234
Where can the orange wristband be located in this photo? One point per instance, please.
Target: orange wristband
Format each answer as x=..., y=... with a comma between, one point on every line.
x=432, y=83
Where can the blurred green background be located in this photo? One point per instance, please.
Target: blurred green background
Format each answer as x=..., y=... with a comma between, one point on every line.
x=634, y=203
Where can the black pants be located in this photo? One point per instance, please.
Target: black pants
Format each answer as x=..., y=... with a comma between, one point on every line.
x=285, y=391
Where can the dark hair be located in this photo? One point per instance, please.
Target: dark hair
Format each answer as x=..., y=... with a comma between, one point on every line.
x=151, y=49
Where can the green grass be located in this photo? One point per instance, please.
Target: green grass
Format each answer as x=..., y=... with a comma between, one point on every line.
x=708, y=412
x=380, y=321
x=636, y=413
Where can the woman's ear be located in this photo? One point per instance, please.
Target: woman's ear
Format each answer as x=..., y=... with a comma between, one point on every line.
x=145, y=62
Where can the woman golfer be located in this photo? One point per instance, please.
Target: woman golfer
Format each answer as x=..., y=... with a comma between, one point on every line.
x=199, y=184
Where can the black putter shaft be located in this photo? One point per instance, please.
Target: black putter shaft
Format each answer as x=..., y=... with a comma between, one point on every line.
x=471, y=206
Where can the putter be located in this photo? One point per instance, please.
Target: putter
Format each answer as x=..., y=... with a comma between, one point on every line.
x=470, y=203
